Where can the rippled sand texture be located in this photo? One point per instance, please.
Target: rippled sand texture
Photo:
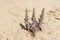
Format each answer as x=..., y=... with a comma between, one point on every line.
x=12, y=13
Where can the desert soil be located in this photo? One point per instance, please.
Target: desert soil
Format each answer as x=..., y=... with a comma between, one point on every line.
x=12, y=13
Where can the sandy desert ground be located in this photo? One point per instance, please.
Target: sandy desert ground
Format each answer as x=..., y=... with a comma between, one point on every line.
x=12, y=13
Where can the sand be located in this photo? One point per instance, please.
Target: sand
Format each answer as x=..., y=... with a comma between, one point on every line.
x=12, y=13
